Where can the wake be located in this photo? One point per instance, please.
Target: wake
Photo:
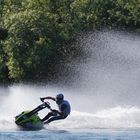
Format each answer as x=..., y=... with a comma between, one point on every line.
x=117, y=117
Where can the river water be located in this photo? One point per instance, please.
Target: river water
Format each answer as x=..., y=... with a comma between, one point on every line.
x=95, y=134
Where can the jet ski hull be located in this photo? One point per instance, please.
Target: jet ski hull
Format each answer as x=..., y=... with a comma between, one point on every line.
x=33, y=122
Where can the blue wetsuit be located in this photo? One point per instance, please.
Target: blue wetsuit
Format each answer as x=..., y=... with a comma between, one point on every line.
x=64, y=107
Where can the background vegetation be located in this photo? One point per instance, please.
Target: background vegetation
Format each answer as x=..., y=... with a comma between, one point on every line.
x=37, y=35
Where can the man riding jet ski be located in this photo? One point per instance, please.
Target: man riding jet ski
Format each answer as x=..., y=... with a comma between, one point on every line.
x=30, y=119
x=62, y=113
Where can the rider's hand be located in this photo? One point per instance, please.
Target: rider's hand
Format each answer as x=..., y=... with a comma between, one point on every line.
x=55, y=112
x=42, y=99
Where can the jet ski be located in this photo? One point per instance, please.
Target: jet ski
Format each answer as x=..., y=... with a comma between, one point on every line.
x=29, y=120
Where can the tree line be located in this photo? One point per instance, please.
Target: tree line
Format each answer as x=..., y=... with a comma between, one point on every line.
x=37, y=35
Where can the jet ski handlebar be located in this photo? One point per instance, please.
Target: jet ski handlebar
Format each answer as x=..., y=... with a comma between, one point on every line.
x=46, y=104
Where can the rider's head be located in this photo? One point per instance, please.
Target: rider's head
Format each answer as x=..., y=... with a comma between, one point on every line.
x=59, y=98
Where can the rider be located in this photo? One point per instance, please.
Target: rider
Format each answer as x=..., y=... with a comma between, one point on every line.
x=62, y=113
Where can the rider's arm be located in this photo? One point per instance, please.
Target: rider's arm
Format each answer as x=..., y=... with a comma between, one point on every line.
x=62, y=110
x=44, y=98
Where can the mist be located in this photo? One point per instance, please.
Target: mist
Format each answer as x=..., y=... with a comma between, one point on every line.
x=110, y=72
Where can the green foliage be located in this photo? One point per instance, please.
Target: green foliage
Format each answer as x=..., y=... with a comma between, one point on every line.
x=3, y=34
x=42, y=32
x=28, y=44
x=3, y=68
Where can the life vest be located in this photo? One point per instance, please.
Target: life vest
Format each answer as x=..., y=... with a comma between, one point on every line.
x=64, y=107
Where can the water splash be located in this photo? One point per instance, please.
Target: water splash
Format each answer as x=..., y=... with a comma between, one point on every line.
x=117, y=117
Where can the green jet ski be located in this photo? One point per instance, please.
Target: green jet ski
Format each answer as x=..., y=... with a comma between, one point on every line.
x=29, y=120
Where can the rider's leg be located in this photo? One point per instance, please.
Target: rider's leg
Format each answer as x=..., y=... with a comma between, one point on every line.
x=47, y=116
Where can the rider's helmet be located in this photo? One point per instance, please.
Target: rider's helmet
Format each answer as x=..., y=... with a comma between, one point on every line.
x=59, y=98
